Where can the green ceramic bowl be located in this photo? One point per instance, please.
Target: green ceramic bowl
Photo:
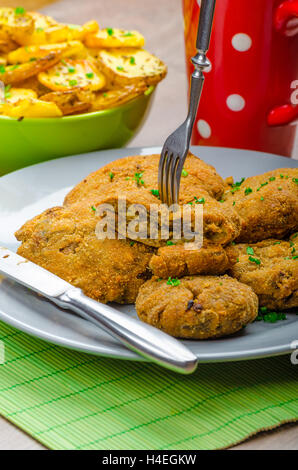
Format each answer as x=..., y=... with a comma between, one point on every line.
x=34, y=140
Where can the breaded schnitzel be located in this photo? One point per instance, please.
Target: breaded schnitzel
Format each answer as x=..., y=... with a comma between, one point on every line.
x=65, y=243
x=134, y=180
x=270, y=268
x=197, y=307
x=178, y=261
x=267, y=204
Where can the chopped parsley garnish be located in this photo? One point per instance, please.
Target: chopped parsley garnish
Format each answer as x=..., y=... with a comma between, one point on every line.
x=32, y=59
x=201, y=200
x=184, y=173
x=155, y=192
x=73, y=82
x=250, y=250
x=262, y=198
x=93, y=208
x=132, y=61
x=234, y=203
x=2, y=69
x=262, y=184
x=254, y=260
x=63, y=62
x=132, y=243
x=272, y=178
x=279, y=188
x=276, y=243
x=111, y=175
x=90, y=75
x=71, y=69
x=170, y=243
x=119, y=67
x=6, y=91
x=173, y=282
x=270, y=317
x=149, y=90
x=104, y=95
x=238, y=183
x=221, y=200
x=20, y=11
x=138, y=178
x=295, y=180
x=247, y=191
x=39, y=30
x=125, y=35
x=110, y=31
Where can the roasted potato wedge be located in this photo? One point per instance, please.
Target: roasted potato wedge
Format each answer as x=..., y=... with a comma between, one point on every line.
x=15, y=20
x=6, y=43
x=128, y=65
x=12, y=74
x=33, y=84
x=27, y=53
x=113, y=37
x=12, y=95
x=31, y=108
x=71, y=101
x=117, y=96
x=70, y=74
x=48, y=31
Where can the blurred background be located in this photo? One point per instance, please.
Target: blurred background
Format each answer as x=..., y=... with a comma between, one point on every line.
x=161, y=22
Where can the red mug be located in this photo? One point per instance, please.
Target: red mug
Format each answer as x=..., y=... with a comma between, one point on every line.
x=250, y=93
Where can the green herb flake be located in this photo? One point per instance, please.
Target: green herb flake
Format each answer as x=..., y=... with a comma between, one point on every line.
x=170, y=243
x=173, y=282
x=254, y=260
x=71, y=70
x=155, y=192
x=272, y=178
x=201, y=200
x=2, y=69
x=138, y=179
x=127, y=34
x=149, y=90
x=119, y=67
x=250, y=250
x=132, y=243
x=276, y=243
x=20, y=11
x=73, y=82
x=90, y=75
x=184, y=173
x=93, y=208
x=234, y=203
x=262, y=198
x=111, y=175
x=110, y=31
x=132, y=61
x=247, y=191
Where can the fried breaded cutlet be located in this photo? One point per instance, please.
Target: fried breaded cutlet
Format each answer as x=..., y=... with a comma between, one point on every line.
x=134, y=179
x=178, y=261
x=197, y=307
x=63, y=242
x=267, y=204
x=270, y=268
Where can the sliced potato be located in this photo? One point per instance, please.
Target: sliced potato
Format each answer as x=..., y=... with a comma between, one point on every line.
x=27, y=53
x=3, y=60
x=12, y=95
x=126, y=66
x=113, y=37
x=71, y=74
x=117, y=96
x=33, y=84
x=48, y=31
x=6, y=43
x=71, y=101
x=31, y=108
x=16, y=73
x=81, y=32
x=15, y=20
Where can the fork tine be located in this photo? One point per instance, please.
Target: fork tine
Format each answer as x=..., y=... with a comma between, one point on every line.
x=161, y=173
x=172, y=179
x=167, y=178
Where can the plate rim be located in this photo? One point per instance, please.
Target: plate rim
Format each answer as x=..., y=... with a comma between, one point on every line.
x=107, y=351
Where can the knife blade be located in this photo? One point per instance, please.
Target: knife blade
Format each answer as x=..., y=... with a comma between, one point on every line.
x=140, y=337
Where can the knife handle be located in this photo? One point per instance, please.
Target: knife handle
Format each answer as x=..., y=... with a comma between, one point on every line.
x=143, y=339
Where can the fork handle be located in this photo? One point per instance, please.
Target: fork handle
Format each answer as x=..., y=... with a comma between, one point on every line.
x=205, y=25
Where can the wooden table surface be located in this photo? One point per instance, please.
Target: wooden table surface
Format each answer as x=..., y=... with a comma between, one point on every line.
x=162, y=24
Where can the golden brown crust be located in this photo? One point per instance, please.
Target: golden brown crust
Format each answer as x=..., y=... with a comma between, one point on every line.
x=200, y=307
x=24, y=71
x=275, y=279
x=64, y=243
x=118, y=180
x=178, y=261
x=267, y=204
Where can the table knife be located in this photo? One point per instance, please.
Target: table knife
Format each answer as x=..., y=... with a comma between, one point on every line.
x=143, y=339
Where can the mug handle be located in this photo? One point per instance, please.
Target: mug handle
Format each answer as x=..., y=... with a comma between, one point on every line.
x=284, y=12
x=286, y=113
x=281, y=115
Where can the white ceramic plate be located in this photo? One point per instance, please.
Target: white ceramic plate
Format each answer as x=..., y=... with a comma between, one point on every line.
x=27, y=192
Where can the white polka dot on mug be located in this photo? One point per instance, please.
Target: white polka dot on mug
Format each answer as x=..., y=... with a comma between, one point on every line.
x=241, y=42
x=235, y=102
x=204, y=129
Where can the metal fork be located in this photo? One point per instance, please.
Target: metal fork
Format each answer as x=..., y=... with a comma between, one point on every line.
x=176, y=146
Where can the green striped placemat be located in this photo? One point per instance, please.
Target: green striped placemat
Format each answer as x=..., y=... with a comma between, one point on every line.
x=71, y=400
